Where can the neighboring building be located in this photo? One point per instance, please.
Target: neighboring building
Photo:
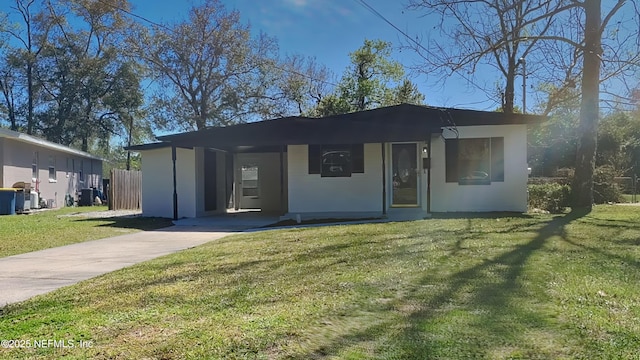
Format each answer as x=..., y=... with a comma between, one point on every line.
x=403, y=161
x=52, y=169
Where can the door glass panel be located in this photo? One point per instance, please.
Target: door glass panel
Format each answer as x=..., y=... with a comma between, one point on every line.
x=405, y=174
x=250, y=181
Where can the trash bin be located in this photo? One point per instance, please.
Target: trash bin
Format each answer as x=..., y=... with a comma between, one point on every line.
x=7, y=201
x=86, y=197
x=20, y=201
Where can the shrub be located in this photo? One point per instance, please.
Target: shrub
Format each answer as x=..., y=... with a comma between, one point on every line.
x=551, y=197
x=605, y=189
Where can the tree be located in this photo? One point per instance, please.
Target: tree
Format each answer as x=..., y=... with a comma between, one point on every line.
x=372, y=80
x=573, y=25
x=210, y=70
x=494, y=33
x=552, y=144
x=302, y=84
x=32, y=35
x=8, y=86
x=619, y=142
x=83, y=72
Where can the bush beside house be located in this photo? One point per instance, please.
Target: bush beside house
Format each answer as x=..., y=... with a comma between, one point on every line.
x=554, y=194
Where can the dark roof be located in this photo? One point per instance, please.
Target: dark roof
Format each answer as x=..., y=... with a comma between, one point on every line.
x=394, y=123
x=152, y=146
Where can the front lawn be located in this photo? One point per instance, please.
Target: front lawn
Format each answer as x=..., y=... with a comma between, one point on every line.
x=46, y=229
x=538, y=286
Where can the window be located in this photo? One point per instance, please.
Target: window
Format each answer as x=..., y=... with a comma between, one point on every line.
x=81, y=172
x=478, y=161
x=336, y=160
x=34, y=166
x=52, y=169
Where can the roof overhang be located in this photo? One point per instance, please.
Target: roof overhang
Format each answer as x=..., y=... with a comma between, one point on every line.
x=14, y=135
x=389, y=124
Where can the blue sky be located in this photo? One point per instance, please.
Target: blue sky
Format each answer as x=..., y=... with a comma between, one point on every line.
x=329, y=30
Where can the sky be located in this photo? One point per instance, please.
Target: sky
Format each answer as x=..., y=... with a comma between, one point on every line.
x=330, y=29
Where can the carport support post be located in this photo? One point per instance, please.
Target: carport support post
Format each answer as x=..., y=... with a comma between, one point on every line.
x=429, y=174
x=384, y=181
x=282, y=175
x=175, y=183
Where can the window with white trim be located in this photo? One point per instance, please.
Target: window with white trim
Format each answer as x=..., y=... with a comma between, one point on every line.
x=52, y=169
x=34, y=166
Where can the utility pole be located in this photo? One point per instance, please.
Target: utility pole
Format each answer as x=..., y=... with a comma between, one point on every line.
x=524, y=84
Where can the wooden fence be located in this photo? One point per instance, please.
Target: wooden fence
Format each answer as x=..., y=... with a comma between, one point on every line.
x=125, y=190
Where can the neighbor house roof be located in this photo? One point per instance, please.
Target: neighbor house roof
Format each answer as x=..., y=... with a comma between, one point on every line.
x=10, y=134
x=394, y=123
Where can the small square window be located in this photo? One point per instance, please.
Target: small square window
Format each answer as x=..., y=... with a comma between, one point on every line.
x=336, y=161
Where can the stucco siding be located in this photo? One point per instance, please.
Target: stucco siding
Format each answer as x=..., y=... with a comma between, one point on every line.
x=18, y=158
x=157, y=183
x=311, y=193
x=510, y=195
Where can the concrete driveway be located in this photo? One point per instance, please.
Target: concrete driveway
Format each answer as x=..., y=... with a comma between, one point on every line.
x=26, y=275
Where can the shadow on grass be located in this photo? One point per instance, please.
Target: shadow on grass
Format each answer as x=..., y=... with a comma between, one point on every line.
x=481, y=215
x=131, y=222
x=473, y=312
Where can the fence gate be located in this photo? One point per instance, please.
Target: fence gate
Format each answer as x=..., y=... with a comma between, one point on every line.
x=125, y=190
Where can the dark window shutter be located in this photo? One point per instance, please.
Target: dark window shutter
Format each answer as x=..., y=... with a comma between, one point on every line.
x=357, y=158
x=497, y=159
x=315, y=159
x=451, y=159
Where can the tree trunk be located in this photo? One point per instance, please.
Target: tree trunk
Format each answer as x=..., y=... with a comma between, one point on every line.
x=589, y=108
x=30, y=96
x=509, y=90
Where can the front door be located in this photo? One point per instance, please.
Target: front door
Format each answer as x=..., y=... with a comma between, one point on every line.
x=404, y=172
x=248, y=182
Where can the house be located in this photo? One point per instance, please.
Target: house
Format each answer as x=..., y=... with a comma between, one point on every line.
x=403, y=161
x=51, y=169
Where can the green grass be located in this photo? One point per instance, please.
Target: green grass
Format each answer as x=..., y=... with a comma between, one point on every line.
x=628, y=198
x=24, y=233
x=527, y=287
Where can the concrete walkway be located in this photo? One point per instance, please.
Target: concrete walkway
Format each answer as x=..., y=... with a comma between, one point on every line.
x=26, y=275
x=39, y=272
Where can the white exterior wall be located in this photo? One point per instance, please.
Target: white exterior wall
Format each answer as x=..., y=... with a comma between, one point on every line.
x=510, y=195
x=17, y=159
x=157, y=183
x=311, y=193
